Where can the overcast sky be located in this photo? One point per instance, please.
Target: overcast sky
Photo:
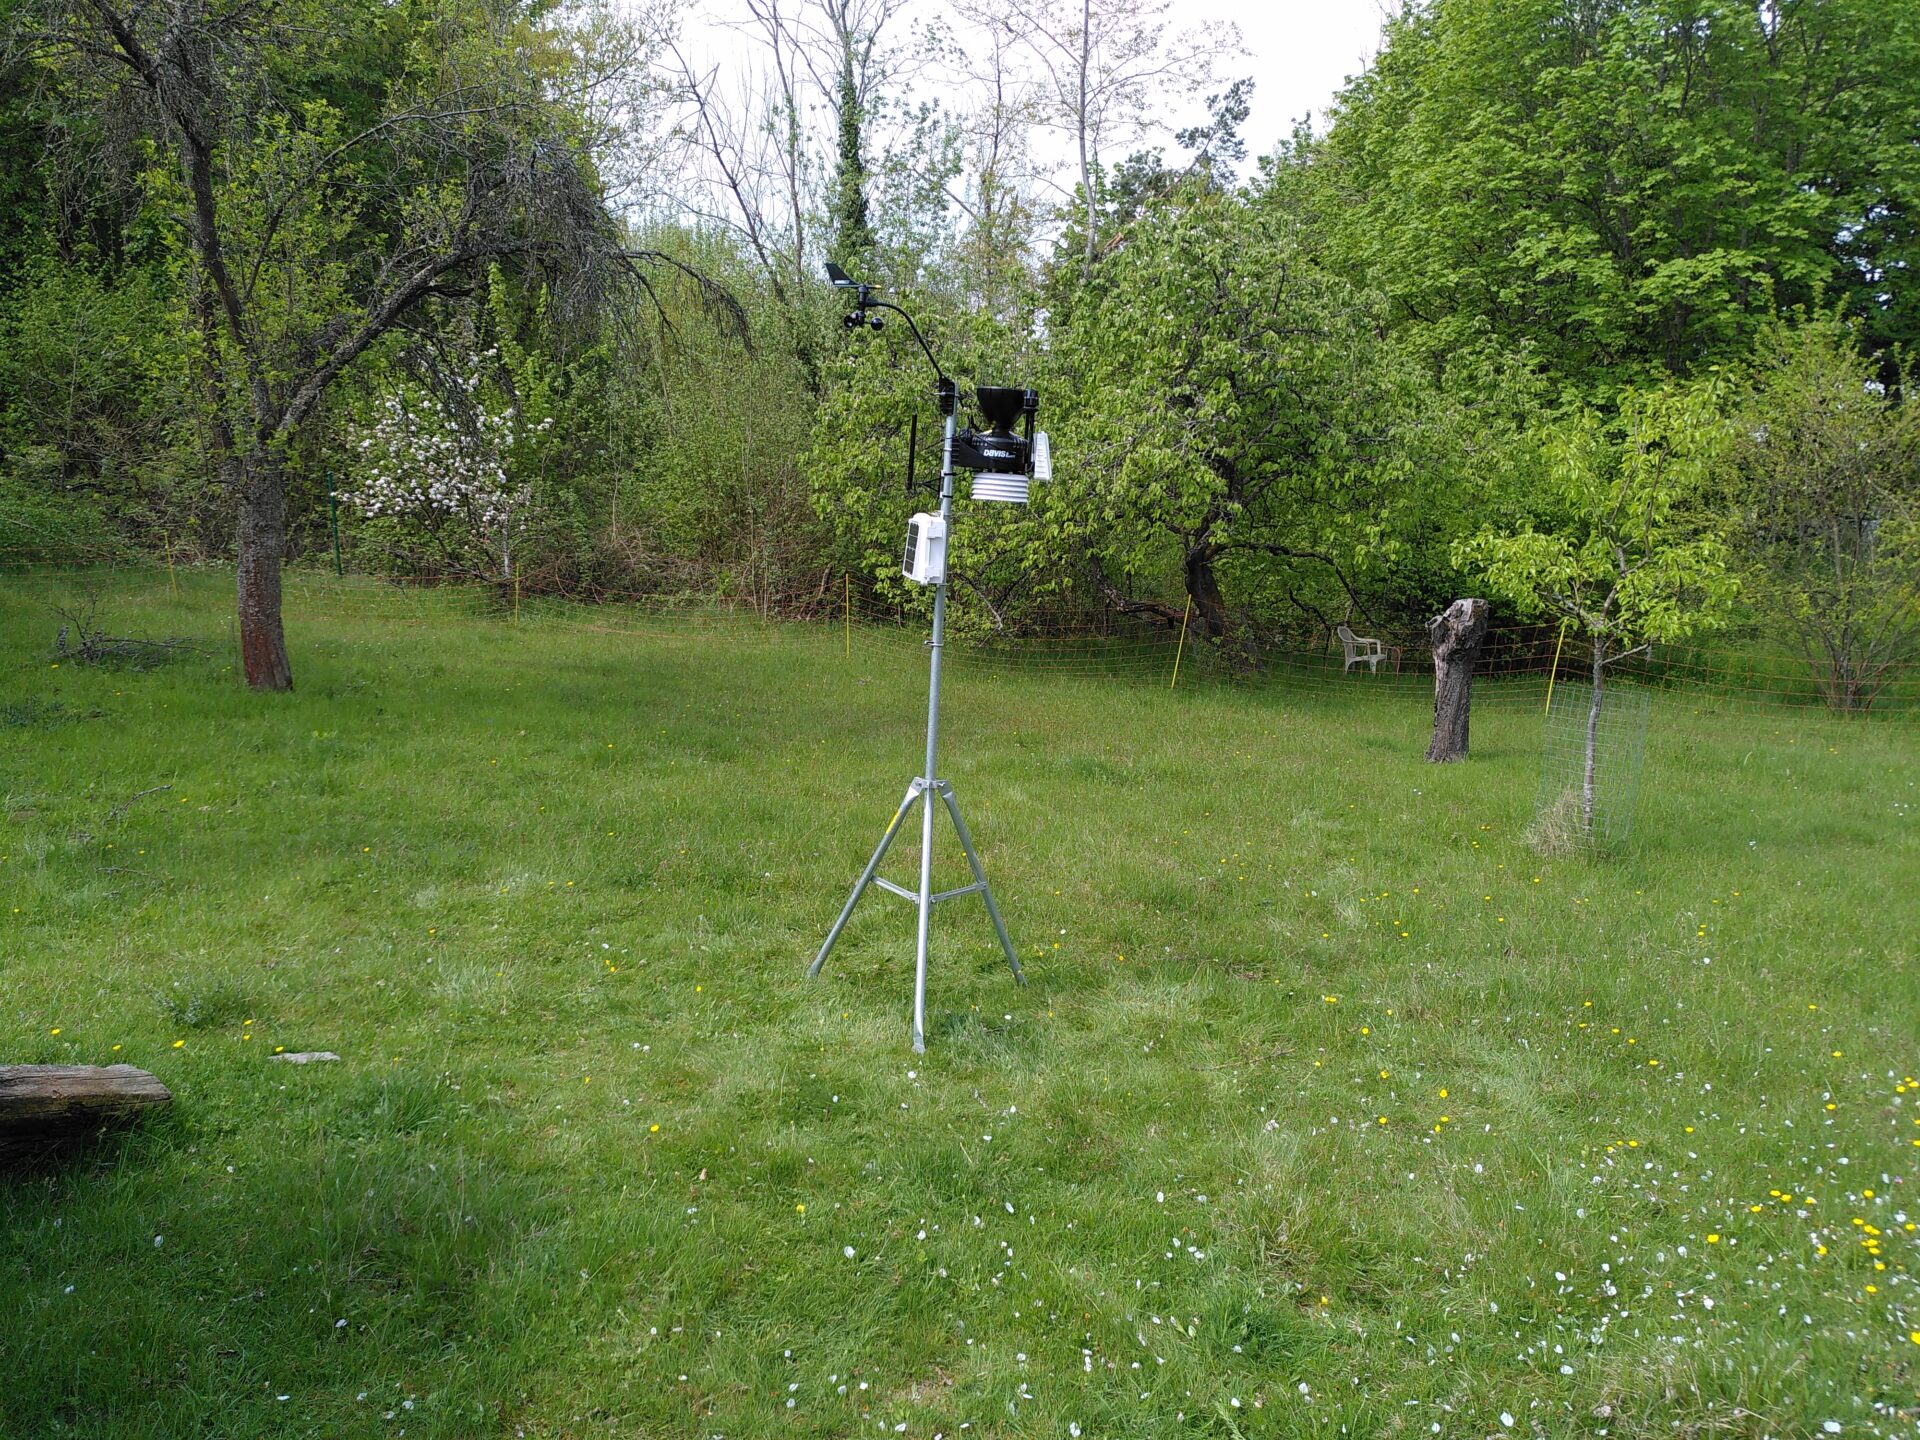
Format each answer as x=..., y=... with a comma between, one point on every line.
x=1298, y=51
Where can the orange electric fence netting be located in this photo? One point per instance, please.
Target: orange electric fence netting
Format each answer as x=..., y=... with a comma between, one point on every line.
x=1515, y=669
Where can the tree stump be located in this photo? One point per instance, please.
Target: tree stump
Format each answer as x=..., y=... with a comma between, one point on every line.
x=45, y=1104
x=1456, y=634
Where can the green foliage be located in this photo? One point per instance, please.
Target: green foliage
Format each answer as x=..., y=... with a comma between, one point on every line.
x=1624, y=189
x=1623, y=541
x=40, y=523
x=852, y=229
x=1233, y=413
x=1824, y=469
x=712, y=493
x=1290, y=404
x=94, y=414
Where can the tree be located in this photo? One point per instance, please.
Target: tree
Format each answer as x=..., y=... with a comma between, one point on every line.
x=1227, y=394
x=1005, y=555
x=1107, y=65
x=1127, y=192
x=997, y=200
x=1629, y=189
x=1624, y=543
x=438, y=464
x=1825, y=469
x=752, y=168
x=329, y=188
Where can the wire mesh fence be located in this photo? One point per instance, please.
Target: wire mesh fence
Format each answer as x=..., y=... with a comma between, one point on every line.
x=1517, y=667
x=1590, y=762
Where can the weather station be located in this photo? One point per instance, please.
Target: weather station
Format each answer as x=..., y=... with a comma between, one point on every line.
x=1006, y=458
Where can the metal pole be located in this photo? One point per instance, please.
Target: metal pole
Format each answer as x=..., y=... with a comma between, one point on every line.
x=931, y=774
x=866, y=878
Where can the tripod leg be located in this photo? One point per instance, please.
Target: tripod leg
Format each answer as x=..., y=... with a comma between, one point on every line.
x=926, y=916
x=980, y=874
x=914, y=792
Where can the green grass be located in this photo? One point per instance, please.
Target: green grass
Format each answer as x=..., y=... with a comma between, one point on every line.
x=599, y=1160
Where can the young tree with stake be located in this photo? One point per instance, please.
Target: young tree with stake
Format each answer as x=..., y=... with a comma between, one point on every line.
x=1625, y=547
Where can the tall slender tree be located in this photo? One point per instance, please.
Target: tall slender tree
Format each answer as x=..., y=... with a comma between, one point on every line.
x=1108, y=68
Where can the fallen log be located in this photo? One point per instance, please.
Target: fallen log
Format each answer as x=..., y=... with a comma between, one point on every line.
x=44, y=1104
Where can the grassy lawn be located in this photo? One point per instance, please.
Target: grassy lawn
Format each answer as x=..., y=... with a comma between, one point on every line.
x=1331, y=1108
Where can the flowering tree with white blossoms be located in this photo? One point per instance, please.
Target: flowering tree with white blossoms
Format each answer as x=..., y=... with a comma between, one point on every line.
x=440, y=465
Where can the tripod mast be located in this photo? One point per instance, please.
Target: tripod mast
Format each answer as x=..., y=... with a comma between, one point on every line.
x=928, y=784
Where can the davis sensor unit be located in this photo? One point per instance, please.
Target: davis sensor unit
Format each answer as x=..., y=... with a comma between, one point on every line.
x=1013, y=489
x=925, y=562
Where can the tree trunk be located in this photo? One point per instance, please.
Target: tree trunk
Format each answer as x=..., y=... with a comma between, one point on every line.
x=1456, y=635
x=1203, y=587
x=43, y=1104
x=261, y=542
x=853, y=237
x=1593, y=737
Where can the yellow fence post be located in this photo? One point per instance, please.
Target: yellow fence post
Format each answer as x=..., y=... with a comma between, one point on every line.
x=1180, y=649
x=846, y=582
x=1556, y=665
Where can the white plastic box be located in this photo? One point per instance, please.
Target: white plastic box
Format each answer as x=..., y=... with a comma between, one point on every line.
x=925, y=562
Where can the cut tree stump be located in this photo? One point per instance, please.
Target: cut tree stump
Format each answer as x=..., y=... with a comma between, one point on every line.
x=44, y=1104
x=1457, y=634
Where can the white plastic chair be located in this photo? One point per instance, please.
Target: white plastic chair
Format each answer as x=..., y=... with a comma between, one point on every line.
x=1360, y=648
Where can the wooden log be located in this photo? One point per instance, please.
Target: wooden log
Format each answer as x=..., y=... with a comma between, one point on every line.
x=44, y=1104
x=1457, y=634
